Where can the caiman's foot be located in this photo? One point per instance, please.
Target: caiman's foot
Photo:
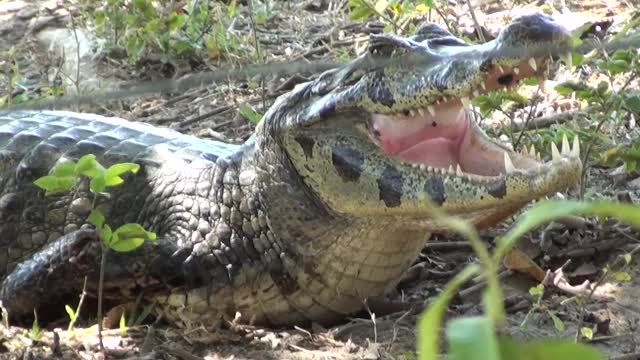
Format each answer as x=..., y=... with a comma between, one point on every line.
x=55, y=272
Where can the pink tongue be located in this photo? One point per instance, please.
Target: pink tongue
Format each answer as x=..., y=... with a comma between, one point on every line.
x=416, y=139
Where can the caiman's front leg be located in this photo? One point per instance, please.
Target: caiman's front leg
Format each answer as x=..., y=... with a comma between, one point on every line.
x=56, y=273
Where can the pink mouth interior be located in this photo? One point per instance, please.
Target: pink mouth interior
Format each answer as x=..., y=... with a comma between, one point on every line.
x=439, y=141
x=448, y=138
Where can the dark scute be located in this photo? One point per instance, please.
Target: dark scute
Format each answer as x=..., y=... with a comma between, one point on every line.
x=379, y=92
x=390, y=186
x=499, y=190
x=434, y=186
x=306, y=143
x=285, y=283
x=348, y=162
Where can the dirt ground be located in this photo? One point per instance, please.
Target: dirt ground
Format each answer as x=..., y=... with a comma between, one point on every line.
x=320, y=30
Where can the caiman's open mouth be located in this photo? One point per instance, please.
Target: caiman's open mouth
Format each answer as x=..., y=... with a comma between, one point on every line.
x=442, y=136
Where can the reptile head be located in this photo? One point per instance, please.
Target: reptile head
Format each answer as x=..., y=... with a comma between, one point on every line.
x=383, y=139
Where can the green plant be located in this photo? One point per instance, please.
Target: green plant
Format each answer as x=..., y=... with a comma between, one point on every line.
x=64, y=177
x=248, y=112
x=35, y=333
x=538, y=292
x=195, y=31
x=476, y=337
x=395, y=14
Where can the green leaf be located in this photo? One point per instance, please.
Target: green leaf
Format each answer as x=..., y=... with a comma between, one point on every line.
x=430, y=321
x=54, y=184
x=176, y=21
x=537, y=291
x=587, y=332
x=568, y=87
x=621, y=276
x=359, y=11
x=134, y=230
x=249, y=113
x=123, y=325
x=106, y=234
x=88, y=166
x=627, y=258
x=546, y=350
x=98, y=184
x=381, y=6
x=126, y=245
x=557, y=323
x=130, y=236
x=112, y=174
x=472, y=338
x=633, y=103
x=617, y=66
x=96, y=218
x=64, y=169
x=70, y=312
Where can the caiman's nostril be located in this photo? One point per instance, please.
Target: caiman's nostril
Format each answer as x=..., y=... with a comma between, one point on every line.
x=505, y=79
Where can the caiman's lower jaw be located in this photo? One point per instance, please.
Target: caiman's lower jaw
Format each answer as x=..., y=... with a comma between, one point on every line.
x=456, y=146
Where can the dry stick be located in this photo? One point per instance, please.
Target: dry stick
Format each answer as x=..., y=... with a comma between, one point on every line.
x=258, y=52
x=548, y=120
x=103, y=264
x=597, y=130
x=475, y=22
x=204, y=78
x=532, y=110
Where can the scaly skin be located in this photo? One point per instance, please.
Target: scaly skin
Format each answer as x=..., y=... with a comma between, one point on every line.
x=325, y=206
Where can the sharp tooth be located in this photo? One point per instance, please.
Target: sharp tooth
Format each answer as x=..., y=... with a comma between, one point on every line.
x=420, y=111
x=508, y=165
x=532, y=63
x=501, y=69
x=483, y=85
x=459, y=170
x=516, y=70
x=532, y=151
x=423, y=167
x=538, y=157
x=524, y=151
x=576, y=147
x=443, y=171
x=565, y=145
x=451, y=171
x=465, y=102
x=412, y=113
x=432, y=110
x=555, y=153
x=429, y=169
x=567, y=59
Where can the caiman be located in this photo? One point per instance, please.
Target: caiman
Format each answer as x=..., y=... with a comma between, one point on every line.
x=326, y=205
